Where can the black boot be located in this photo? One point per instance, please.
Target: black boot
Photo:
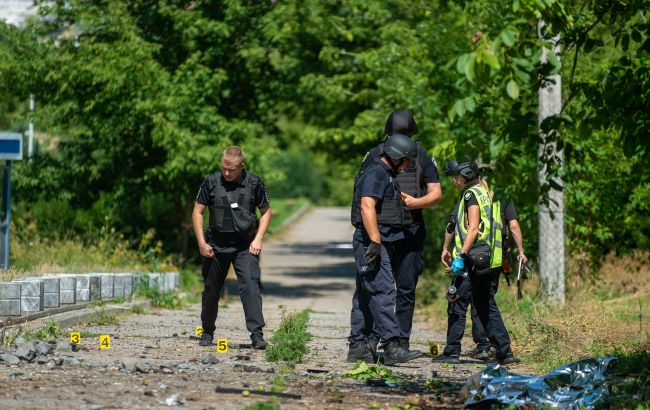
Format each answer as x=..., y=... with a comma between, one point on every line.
x=406, y=345
x=395, y=353
x=360, y=351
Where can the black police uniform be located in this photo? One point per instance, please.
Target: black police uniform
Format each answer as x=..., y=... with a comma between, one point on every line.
x=229, y=247
x=479, y=290
x=479, y=334
x=374, y=297
x=409, y=251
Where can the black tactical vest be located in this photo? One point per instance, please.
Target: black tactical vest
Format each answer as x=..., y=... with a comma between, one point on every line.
x=243, y=217
x=390, y=211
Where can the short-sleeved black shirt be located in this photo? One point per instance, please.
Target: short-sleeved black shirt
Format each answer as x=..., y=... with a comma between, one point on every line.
x=429, y=175
x=428, y=164
x=376, y=183
x=259, y=198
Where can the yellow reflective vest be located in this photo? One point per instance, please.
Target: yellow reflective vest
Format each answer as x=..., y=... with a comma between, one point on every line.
x=490, y=226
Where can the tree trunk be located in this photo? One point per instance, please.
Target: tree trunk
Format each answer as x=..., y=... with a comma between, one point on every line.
x=551, y=215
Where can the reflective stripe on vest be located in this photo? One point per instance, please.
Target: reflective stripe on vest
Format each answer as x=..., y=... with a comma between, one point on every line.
x=490, y=222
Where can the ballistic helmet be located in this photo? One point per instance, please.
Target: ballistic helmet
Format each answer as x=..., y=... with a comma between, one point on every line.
x=399, y=146
x=467, y=169
x=401, y=122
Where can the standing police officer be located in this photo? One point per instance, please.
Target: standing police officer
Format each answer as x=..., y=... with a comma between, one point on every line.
x=235, y=237
x=381, y=219
x=477, y=262
x=420, y=186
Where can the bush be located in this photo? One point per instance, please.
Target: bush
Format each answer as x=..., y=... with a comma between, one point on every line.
x=289, y=342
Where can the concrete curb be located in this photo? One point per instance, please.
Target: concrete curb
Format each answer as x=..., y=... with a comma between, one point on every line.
x=32, y=298
x=70, y=316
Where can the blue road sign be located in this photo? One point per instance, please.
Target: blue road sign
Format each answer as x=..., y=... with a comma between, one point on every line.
x=11, y=146
x=11, y=149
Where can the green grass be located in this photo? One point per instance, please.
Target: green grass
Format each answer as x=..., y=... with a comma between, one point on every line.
x=47, y=332
x=157, y=298
x=281, y=210
x=103, y=318
x=289, y=341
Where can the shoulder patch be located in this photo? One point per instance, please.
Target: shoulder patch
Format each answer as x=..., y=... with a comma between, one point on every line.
x=365, y=157
x=468, y=195
x=435, y=164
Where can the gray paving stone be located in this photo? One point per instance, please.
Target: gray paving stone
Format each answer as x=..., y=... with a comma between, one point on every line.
x=31, y=288
x=68, y=297
x=68, y=282
x=10, y=307
x=83, y=288
x=50, y=300
x=51, y=284
x=106, y=287
x=10, y=299
x=154, y=280
x=31, y=304
x=118, y=285
x=95, y=287
x=9, y=291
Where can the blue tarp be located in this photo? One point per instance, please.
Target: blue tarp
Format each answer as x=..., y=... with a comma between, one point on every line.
x=579, y=385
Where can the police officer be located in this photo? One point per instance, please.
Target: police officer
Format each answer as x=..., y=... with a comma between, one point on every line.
x=235, y=237
x=381, y=219
x=477, y=253
x=511, y=232
x=420, y=186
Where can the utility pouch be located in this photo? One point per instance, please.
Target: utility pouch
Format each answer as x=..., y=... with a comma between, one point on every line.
x=479, y=259
x=245, y=222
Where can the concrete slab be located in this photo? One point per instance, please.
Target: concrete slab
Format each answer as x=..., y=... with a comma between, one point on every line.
x=95, y=287
x=10, y=299
x=118, y=285
x=51, y=290
x=82, y=293
x=107, y=280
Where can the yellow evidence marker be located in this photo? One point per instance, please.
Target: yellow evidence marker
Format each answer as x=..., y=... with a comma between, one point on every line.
x=104, y=342
x=75, y=338
x=198, y=331
x=435, y=349
x=222, y=345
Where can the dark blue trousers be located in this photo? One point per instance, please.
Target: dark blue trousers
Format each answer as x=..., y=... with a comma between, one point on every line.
x=479, y=290
x=373, y=302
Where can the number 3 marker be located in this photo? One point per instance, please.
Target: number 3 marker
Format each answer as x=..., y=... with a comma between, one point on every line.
x=75, y=338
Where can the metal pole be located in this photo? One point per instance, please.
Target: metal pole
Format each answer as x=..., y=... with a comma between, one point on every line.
x=30, y=146
x=6, y=216
x=551, y=216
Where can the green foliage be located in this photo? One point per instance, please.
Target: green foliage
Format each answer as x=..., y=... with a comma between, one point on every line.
x=49, y=331
x=305, y=87
x=103, y=318
x=157, y=298
x=364, y=371
x=289, y=341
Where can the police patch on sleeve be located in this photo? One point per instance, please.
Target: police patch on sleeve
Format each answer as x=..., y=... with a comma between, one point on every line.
x=365, y=157
x=468, y=195
x=435, y=164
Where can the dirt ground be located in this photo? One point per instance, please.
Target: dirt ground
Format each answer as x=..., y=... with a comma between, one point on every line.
x=154, y=360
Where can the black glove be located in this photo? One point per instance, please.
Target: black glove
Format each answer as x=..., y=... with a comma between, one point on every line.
x=373, y=257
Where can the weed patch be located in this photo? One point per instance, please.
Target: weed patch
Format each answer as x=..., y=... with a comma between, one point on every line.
x=47, y=332
x=102, y=318
x=364, y=371
x=156, y=297
x=289, y=341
